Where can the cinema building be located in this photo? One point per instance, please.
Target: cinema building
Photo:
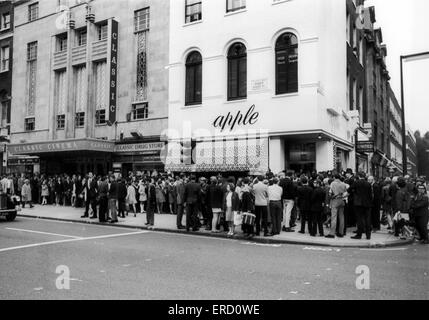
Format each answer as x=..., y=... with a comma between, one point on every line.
x=90, y=88
x=248, y=93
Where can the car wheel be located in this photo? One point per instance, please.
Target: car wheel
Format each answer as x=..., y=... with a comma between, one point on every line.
x=11, y=217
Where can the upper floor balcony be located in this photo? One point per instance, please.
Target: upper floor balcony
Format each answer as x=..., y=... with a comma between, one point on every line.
x=99, y=50
x=79, y=55
x=60, y=60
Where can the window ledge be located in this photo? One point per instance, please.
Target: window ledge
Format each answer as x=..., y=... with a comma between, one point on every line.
x=285, y=95
x=235, y=12
x=101, y=125
x=194, y=106
x=236, y=101
x=3, y=71
x=193, y=23
x=279, y=2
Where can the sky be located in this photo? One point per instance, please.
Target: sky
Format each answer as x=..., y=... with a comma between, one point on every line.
x=405, y=27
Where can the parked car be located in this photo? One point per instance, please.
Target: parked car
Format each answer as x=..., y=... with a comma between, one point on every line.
x=9, y=206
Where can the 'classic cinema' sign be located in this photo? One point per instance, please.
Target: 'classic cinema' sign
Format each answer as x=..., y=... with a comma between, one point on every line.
x=239, y=119
x=113, y=73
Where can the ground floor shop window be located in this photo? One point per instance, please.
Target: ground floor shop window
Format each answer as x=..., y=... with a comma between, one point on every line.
x=301, y=157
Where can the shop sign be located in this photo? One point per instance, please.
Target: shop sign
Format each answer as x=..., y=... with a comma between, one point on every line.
x=113, y=72
x=139, y=147
x=61, y=146
x=365, y=147
x=239, y=119
x=22, y=162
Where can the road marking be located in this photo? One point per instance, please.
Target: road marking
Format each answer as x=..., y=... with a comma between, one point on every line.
x=41, y=232
x=72, y=240
x=262, y=244
x=387, y=249
x=321, y=249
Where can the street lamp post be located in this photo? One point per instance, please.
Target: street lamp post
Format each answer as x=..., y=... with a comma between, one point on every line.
x=404, y=129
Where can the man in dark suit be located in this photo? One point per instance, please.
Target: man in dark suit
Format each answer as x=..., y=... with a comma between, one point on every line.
x=192, y=197
x=91, y=188
x=363, y=202
x=288, y=197
x=304, y=193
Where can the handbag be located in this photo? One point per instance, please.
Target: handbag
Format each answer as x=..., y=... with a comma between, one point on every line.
x=238, y=219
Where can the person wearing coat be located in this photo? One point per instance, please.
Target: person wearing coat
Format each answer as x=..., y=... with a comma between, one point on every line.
x=362, y=200
x=59, y=190
x=402, y=202
x=142, y=196
x=318, y=198
x=131, y=198
x=215, y=202
x=91, y=190
x=122, y=195
x=26, y=194
x=179, y=188
x=151, y=203
x=113, y=199
x=231, y=204
x=304, y=194
x=420, y=206
x=376, y=207
x=45, y=193
x=192, y=198
x=103, y=190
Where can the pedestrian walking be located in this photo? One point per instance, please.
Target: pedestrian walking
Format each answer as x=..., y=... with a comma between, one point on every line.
x=151, y=203
x=45, y=193
x=131, y=200
x=113, y=199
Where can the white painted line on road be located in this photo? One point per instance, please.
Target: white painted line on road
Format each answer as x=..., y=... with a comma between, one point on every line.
x=46, y=233
x=104, y=226
x=72, y=240
x=387, y=249
x=262, y=244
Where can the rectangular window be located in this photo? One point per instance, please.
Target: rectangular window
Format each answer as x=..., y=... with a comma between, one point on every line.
x=81, y=88
x=101, y=85
x=30, y=124
x=82, y=38
x=4, y=59
x=141, y=83
x=5, y=114
x=141, y=20
x=32, y=51
x=102, y=32
x=61, y=44
x=61, y=121
x=79, y=120
x=5, y=21
x=193, y=10
x=33, y=11
x=140, y=111
x=100, y=117
x=234, y=5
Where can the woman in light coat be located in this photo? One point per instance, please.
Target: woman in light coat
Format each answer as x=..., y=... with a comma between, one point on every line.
x=131, y=198
x=26, y=194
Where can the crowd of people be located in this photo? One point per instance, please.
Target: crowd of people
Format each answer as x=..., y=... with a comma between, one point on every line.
x=326, y=204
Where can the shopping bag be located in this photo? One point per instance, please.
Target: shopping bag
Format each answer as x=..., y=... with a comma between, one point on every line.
x=238, y=218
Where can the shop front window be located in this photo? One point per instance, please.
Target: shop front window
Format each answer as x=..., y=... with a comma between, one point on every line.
x=302, y=157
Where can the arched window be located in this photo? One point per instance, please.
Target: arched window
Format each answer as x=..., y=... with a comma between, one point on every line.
x=287, y=64
x=194, y=81
x=237, y=72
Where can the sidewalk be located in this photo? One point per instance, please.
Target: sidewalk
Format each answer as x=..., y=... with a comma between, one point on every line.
x=167, y=223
